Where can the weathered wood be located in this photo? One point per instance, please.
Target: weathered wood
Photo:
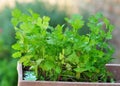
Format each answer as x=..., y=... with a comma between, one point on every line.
x=114, y=68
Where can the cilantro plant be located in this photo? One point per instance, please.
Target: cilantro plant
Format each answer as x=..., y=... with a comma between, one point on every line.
x=61, y=53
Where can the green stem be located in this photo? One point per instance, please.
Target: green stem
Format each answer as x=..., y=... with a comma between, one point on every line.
x=36, y=71
x=77, y=75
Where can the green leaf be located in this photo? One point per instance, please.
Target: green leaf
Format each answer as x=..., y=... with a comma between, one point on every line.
x=76, y=21
x=73, y=58
x=58, y=70
x=16, y=54
x=46, y=19
x=39, y=61
x=108, y=35
x=68, y=66
x=34, y=15
x=19, y=35
x=39, y=21
x=92, y=42
x=45, y=22
x=61, y=56
x=107, y=22
x=98, y=15
x=27, y=28
x=15, y=21
x=48, y=65
x=26, y=60
x=17, y=46
x=86, y=40
x=16, y=13
x=111, y=27
x=92, y=21
x=80, y=70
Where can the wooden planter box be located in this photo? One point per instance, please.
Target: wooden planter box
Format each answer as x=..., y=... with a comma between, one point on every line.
x=114, y=68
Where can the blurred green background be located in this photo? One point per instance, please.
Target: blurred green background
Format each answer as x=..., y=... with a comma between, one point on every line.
x=8, y=72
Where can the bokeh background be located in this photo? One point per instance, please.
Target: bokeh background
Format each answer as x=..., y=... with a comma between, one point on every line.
x=57, y=10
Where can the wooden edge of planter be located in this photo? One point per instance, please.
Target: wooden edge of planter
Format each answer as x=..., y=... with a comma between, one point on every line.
x=56, y=83
x=114, y=68
x=118, y=65
x=20, y=72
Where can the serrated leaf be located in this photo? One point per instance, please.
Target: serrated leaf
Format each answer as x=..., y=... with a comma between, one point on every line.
x=46, y=19
x=39, y=21
x=16, y=46
x=16, y=54
x=75, y=21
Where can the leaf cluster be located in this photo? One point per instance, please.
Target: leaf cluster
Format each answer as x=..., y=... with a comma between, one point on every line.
x=61, y=53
